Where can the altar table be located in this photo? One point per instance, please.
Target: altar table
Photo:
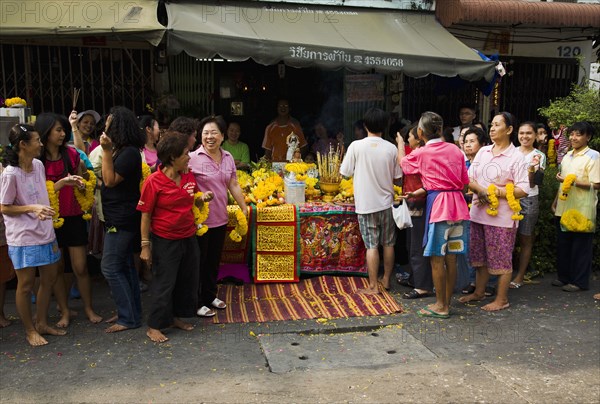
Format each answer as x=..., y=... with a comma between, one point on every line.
x=287, y=241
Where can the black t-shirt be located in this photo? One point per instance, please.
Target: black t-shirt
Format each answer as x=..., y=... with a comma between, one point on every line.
x=119, y=203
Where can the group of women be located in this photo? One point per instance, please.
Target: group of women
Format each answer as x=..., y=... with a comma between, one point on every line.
x=159, y=220
x=44, y=187
x=502, y=193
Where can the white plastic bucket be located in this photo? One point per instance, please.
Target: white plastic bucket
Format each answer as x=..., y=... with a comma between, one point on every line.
x=294, y=191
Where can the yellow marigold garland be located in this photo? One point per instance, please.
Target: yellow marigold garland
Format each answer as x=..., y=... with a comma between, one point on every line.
x=263, y=187
x=574, y=220
x=551, y=153
x=492, y=209
x=514, y=203
x=566, y=187
x=299, y=168
x=145, y=173
x=244, y=179
x=346, y=191
x=57, y=221
x=241, y=225
x=200, y=214
x=85, y=197
x=310, y=190
x=9, y=102
x=397, y=192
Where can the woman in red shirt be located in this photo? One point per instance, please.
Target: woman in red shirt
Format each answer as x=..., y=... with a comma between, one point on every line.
x=169, y=237
x=416, y=198
x=64, y=166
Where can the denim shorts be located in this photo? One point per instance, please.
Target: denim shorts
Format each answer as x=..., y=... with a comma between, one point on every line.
x=34, y=256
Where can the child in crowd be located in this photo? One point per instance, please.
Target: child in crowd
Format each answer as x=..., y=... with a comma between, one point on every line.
x=575, y=247
x=29, y=232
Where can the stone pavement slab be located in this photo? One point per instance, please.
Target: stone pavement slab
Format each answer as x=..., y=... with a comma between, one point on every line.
x=387, y=346
x=545, y=348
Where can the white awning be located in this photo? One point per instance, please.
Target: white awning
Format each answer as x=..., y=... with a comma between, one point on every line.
x=49, y=18
x=301, y=36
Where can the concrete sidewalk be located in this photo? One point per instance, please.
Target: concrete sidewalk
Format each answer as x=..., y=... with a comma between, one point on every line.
x=545, y=348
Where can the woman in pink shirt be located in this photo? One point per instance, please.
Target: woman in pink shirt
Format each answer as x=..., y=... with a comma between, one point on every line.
x=29, y=233
x=493, y=235
x=214, y=169
x=150, y=126
x=444, y=176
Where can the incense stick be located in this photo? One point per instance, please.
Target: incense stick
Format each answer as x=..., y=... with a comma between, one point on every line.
x=108, y=122
x=329, y=165
x=76, y=92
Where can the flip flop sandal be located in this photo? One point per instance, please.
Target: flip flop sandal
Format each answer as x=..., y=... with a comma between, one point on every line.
x=490, y=291
x=413, y=294
x=205, y=312
x=218, y=304
x=427, y=312
x=469, y=290
x=515, y=285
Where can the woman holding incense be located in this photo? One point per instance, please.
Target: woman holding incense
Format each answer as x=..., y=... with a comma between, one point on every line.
x=67, y=171
x=121, y=143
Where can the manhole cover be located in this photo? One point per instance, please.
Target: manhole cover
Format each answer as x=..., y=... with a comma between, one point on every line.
x=292, y=351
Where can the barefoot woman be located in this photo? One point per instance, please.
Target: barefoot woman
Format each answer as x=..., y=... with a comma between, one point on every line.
x=29, y=233
x=166, y=206
x=64, y=166
x=122, y=172
x=493, y=229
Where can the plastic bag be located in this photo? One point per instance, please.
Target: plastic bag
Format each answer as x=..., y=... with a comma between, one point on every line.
x=402, y=216
x=579, y=215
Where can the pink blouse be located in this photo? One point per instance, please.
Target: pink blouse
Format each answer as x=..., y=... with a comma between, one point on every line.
x=508, y=166
x=215, y=177
x=442, y=168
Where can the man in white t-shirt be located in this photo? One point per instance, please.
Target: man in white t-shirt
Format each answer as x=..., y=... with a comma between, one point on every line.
x=372, y=162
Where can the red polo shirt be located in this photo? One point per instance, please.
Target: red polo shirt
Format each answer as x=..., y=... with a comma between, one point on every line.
x=169, y=205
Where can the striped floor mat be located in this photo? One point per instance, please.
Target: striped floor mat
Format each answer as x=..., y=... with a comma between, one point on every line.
x=320, y=297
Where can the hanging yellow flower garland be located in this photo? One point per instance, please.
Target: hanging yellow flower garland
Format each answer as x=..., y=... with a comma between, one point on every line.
x=85, y=197
x=57, y=221
x=492, y=209
x=145, y=174
x=241, y=225
x=574, y=220
x=567, y=184
x=514, y=203
x=551, y=153
x=200, y=214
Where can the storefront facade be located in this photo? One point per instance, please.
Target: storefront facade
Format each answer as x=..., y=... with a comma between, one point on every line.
x=544, y=46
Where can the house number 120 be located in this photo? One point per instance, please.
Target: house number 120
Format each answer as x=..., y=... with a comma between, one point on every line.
x=568, y=51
